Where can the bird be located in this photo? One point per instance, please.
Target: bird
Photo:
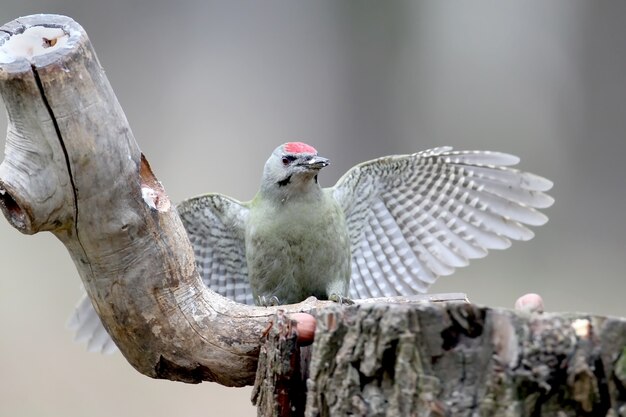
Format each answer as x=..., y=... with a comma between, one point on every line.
x=389, y=227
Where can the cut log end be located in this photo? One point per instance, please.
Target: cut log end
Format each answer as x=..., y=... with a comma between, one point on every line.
x=33, y=41
x=37, y=40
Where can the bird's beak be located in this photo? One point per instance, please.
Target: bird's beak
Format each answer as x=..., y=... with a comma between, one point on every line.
x=314, y=162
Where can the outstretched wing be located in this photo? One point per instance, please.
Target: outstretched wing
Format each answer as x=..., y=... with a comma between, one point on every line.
x=415, y=217
x=215, y=225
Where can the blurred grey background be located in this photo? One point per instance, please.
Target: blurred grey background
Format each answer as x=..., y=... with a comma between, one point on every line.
x=211, y=87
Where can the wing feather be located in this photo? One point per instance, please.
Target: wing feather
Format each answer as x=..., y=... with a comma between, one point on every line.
x=397, y=255
x=380, y=243
x=358, y=286
x=374, y=271
x=88, y=328
x=413, y=218
x=215, y=225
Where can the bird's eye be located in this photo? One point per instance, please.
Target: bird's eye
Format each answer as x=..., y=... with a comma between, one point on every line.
x=287, y=159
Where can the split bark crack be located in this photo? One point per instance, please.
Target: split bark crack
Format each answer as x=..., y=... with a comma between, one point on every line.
x=68, y=164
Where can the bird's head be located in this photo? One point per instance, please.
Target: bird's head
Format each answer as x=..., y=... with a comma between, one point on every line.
x=292, y=168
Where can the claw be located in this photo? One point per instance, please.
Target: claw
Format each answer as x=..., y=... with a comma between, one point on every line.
x=340, y=299
x=264, y=301
x=274, y=301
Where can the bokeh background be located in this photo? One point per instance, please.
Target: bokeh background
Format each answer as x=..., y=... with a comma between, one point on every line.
x=211, y=87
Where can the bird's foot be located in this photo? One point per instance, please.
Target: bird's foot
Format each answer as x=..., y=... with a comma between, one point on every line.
x=340, y=299
x=265, y=301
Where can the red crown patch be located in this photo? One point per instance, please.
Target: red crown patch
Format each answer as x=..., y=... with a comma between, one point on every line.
x=299, y=147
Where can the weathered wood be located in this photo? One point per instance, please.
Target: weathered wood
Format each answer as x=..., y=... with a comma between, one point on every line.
x=280, y=385
x=447, y=360
x=72, y=167
x=281, y=380
x=465, y=360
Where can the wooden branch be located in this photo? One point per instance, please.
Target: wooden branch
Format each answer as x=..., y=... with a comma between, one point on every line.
x=449, y=360
x=72, y=167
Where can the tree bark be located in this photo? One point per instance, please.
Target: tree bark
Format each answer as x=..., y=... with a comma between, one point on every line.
x=280, y=385
x=450, y=360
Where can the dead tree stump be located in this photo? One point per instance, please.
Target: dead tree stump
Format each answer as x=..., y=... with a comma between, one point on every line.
x=453, y=360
